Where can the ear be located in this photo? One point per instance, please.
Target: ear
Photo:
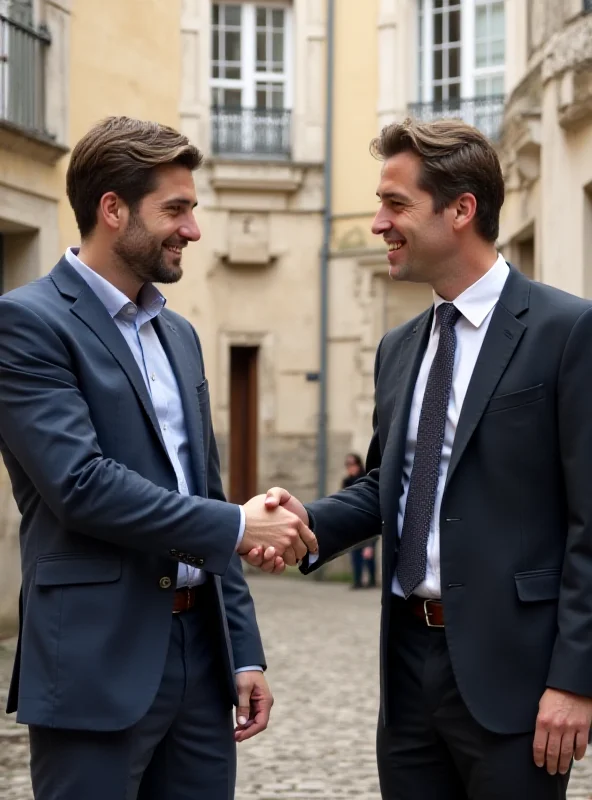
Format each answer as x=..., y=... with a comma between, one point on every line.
x=112, y=211
x=464, y=208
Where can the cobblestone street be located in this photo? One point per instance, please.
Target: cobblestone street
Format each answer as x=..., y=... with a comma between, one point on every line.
x=321, y=642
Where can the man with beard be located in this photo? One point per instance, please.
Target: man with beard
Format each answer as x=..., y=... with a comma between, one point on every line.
x=137, y=630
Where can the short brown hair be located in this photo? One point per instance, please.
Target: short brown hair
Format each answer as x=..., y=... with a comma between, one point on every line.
x=455, y=158
x=122, y=155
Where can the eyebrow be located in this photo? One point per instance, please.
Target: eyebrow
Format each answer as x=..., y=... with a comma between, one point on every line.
x=392, y=196
x=180, y=201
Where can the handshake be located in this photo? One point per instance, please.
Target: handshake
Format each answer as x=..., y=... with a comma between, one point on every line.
x=276, y=531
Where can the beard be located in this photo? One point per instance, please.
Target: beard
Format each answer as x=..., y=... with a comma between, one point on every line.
x=144, y=256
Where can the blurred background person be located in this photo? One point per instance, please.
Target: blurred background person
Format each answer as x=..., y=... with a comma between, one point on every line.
x=364, y=556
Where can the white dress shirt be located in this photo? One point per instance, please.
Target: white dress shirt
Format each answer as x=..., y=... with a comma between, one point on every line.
x=476, y=306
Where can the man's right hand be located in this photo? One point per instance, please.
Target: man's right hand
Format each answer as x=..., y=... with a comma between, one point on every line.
x=271, y=524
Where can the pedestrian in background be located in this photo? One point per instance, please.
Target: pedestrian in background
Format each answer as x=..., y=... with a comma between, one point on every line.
x=364, y=556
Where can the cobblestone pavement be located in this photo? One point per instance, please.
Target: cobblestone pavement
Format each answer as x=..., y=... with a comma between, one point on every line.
x=323, y=671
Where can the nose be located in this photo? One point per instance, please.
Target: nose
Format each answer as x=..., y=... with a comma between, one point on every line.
x=381, y=224
x=190, y=230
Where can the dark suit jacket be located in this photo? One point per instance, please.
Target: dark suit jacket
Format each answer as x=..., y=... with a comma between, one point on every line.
x=516, y=518
x=103, y=525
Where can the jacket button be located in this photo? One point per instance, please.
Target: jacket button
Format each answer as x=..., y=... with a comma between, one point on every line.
x=200, y=562
x=165, y=583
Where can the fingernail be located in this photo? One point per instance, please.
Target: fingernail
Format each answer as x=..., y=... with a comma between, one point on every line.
x=242, y=720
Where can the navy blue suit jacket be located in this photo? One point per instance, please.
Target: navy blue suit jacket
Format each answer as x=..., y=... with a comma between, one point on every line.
x=102, y=521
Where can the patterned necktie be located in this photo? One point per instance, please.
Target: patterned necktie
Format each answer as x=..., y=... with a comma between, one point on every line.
x=411, y=569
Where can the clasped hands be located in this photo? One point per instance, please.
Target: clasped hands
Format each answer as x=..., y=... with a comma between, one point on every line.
x=276, y=531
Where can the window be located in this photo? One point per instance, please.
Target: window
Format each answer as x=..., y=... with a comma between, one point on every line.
x=489, y=47
x=251, y=79
x=19, y=11
x=250, y=56
x=461, y=49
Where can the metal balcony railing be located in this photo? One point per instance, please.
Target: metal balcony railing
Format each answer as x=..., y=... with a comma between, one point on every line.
x=485, y=113
x=251, y=132
x=22, y=75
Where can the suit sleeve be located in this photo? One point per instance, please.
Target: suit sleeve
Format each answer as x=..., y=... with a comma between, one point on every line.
x=352, y=516
x=571, y=663
x=247, y=648
x=45, y=424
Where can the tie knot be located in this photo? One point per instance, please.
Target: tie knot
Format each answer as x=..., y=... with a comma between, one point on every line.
x=447, y=314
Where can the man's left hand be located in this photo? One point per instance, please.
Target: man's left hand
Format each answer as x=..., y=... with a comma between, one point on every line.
x=254, y=705
x=562, y=730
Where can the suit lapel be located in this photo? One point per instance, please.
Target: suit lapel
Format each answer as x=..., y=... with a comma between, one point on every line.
x=93, y=313
x=401, y=380
x=501, y=340
x=187, y=378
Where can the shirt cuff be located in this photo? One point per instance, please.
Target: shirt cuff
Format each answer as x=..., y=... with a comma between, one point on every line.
x=241, y=527
x=255, y=668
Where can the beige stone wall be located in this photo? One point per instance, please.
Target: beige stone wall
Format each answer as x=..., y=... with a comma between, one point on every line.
x=547, y=145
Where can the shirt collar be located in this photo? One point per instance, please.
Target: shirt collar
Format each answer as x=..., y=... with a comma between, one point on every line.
x=150, y=300
x=478, y=300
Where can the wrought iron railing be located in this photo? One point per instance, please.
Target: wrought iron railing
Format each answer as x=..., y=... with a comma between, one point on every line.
x=485, y=113
x=251, y=132
x=22, y=75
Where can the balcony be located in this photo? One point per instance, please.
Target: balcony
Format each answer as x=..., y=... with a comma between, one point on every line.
x=22, y=77
x=251, y=133
x=485, y=113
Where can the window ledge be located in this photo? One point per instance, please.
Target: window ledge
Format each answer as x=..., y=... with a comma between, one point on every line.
x=38, y=146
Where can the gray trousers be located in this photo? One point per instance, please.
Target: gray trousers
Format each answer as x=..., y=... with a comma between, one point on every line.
x=183, y=749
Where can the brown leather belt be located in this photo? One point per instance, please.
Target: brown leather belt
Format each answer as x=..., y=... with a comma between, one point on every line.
x=430, y=612
x=184, y=599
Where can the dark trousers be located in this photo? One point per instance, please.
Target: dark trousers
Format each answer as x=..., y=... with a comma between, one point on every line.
x=358, y=563
x=182, y=749
x=434, y=749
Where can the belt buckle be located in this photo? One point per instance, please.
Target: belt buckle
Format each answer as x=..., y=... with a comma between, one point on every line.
x=427, y=615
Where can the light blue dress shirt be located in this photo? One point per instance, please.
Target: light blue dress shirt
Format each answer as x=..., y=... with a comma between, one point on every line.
x=135, y=324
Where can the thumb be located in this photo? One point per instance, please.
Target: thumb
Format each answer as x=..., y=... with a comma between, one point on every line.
x=276, y=496
x=243, y=709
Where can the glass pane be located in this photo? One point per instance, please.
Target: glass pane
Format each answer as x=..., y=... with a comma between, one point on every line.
x=481, y=22
x=261, y=17
x=481, y=87
x=215, y=46
x=438, y=3
x=454, y=91
x=233, y=98
x=261, y=98
x=454, y=26
x=261, y=54
x=277, y=18
x=437, y=65
x=233, y=73
x=278, y=48
x=497, y=20
x=232, y=15
x=481, y=54
x=215, y=13
x=277, y=97
x=437, y=94
x=233, y=46
x=438, y=20
x=454, y=62
x=497, y=52
x=497, y=85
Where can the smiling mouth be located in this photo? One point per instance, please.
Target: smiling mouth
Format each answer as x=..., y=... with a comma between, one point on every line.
x=395, y=246
x=176, y=250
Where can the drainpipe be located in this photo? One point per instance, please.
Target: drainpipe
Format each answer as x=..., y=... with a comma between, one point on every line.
x=325, y=251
